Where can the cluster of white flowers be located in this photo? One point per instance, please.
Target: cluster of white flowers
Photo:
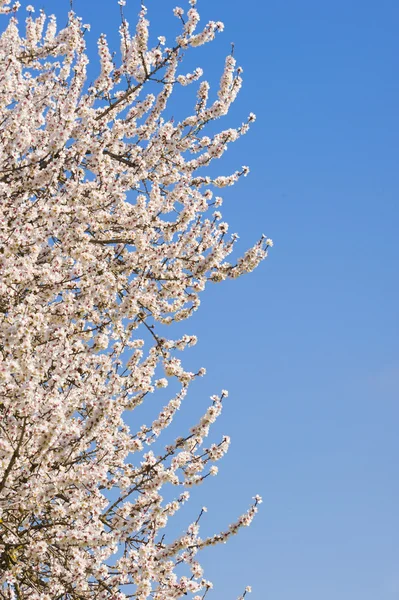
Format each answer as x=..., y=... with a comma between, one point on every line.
x=103, y=241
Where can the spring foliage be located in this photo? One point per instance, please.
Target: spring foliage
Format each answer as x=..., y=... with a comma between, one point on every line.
x=108, y=233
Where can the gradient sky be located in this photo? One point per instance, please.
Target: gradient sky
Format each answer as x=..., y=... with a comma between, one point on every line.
x=308, y=344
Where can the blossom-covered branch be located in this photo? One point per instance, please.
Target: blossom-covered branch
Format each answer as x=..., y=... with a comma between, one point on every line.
x=107, y=235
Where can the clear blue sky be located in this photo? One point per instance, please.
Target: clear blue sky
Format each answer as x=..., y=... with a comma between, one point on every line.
x=308, y=344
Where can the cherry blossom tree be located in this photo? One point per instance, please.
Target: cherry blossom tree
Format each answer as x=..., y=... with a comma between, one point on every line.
x=109, y=233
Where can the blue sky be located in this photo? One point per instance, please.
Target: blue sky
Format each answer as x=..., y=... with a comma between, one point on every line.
x=308, y=344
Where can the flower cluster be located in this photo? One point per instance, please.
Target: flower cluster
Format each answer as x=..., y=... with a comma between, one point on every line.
x=104, y=241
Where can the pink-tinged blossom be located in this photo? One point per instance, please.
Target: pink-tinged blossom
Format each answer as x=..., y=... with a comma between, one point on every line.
x=108, y=233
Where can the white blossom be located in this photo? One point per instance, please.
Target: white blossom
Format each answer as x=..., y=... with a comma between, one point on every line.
x=107, y=235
